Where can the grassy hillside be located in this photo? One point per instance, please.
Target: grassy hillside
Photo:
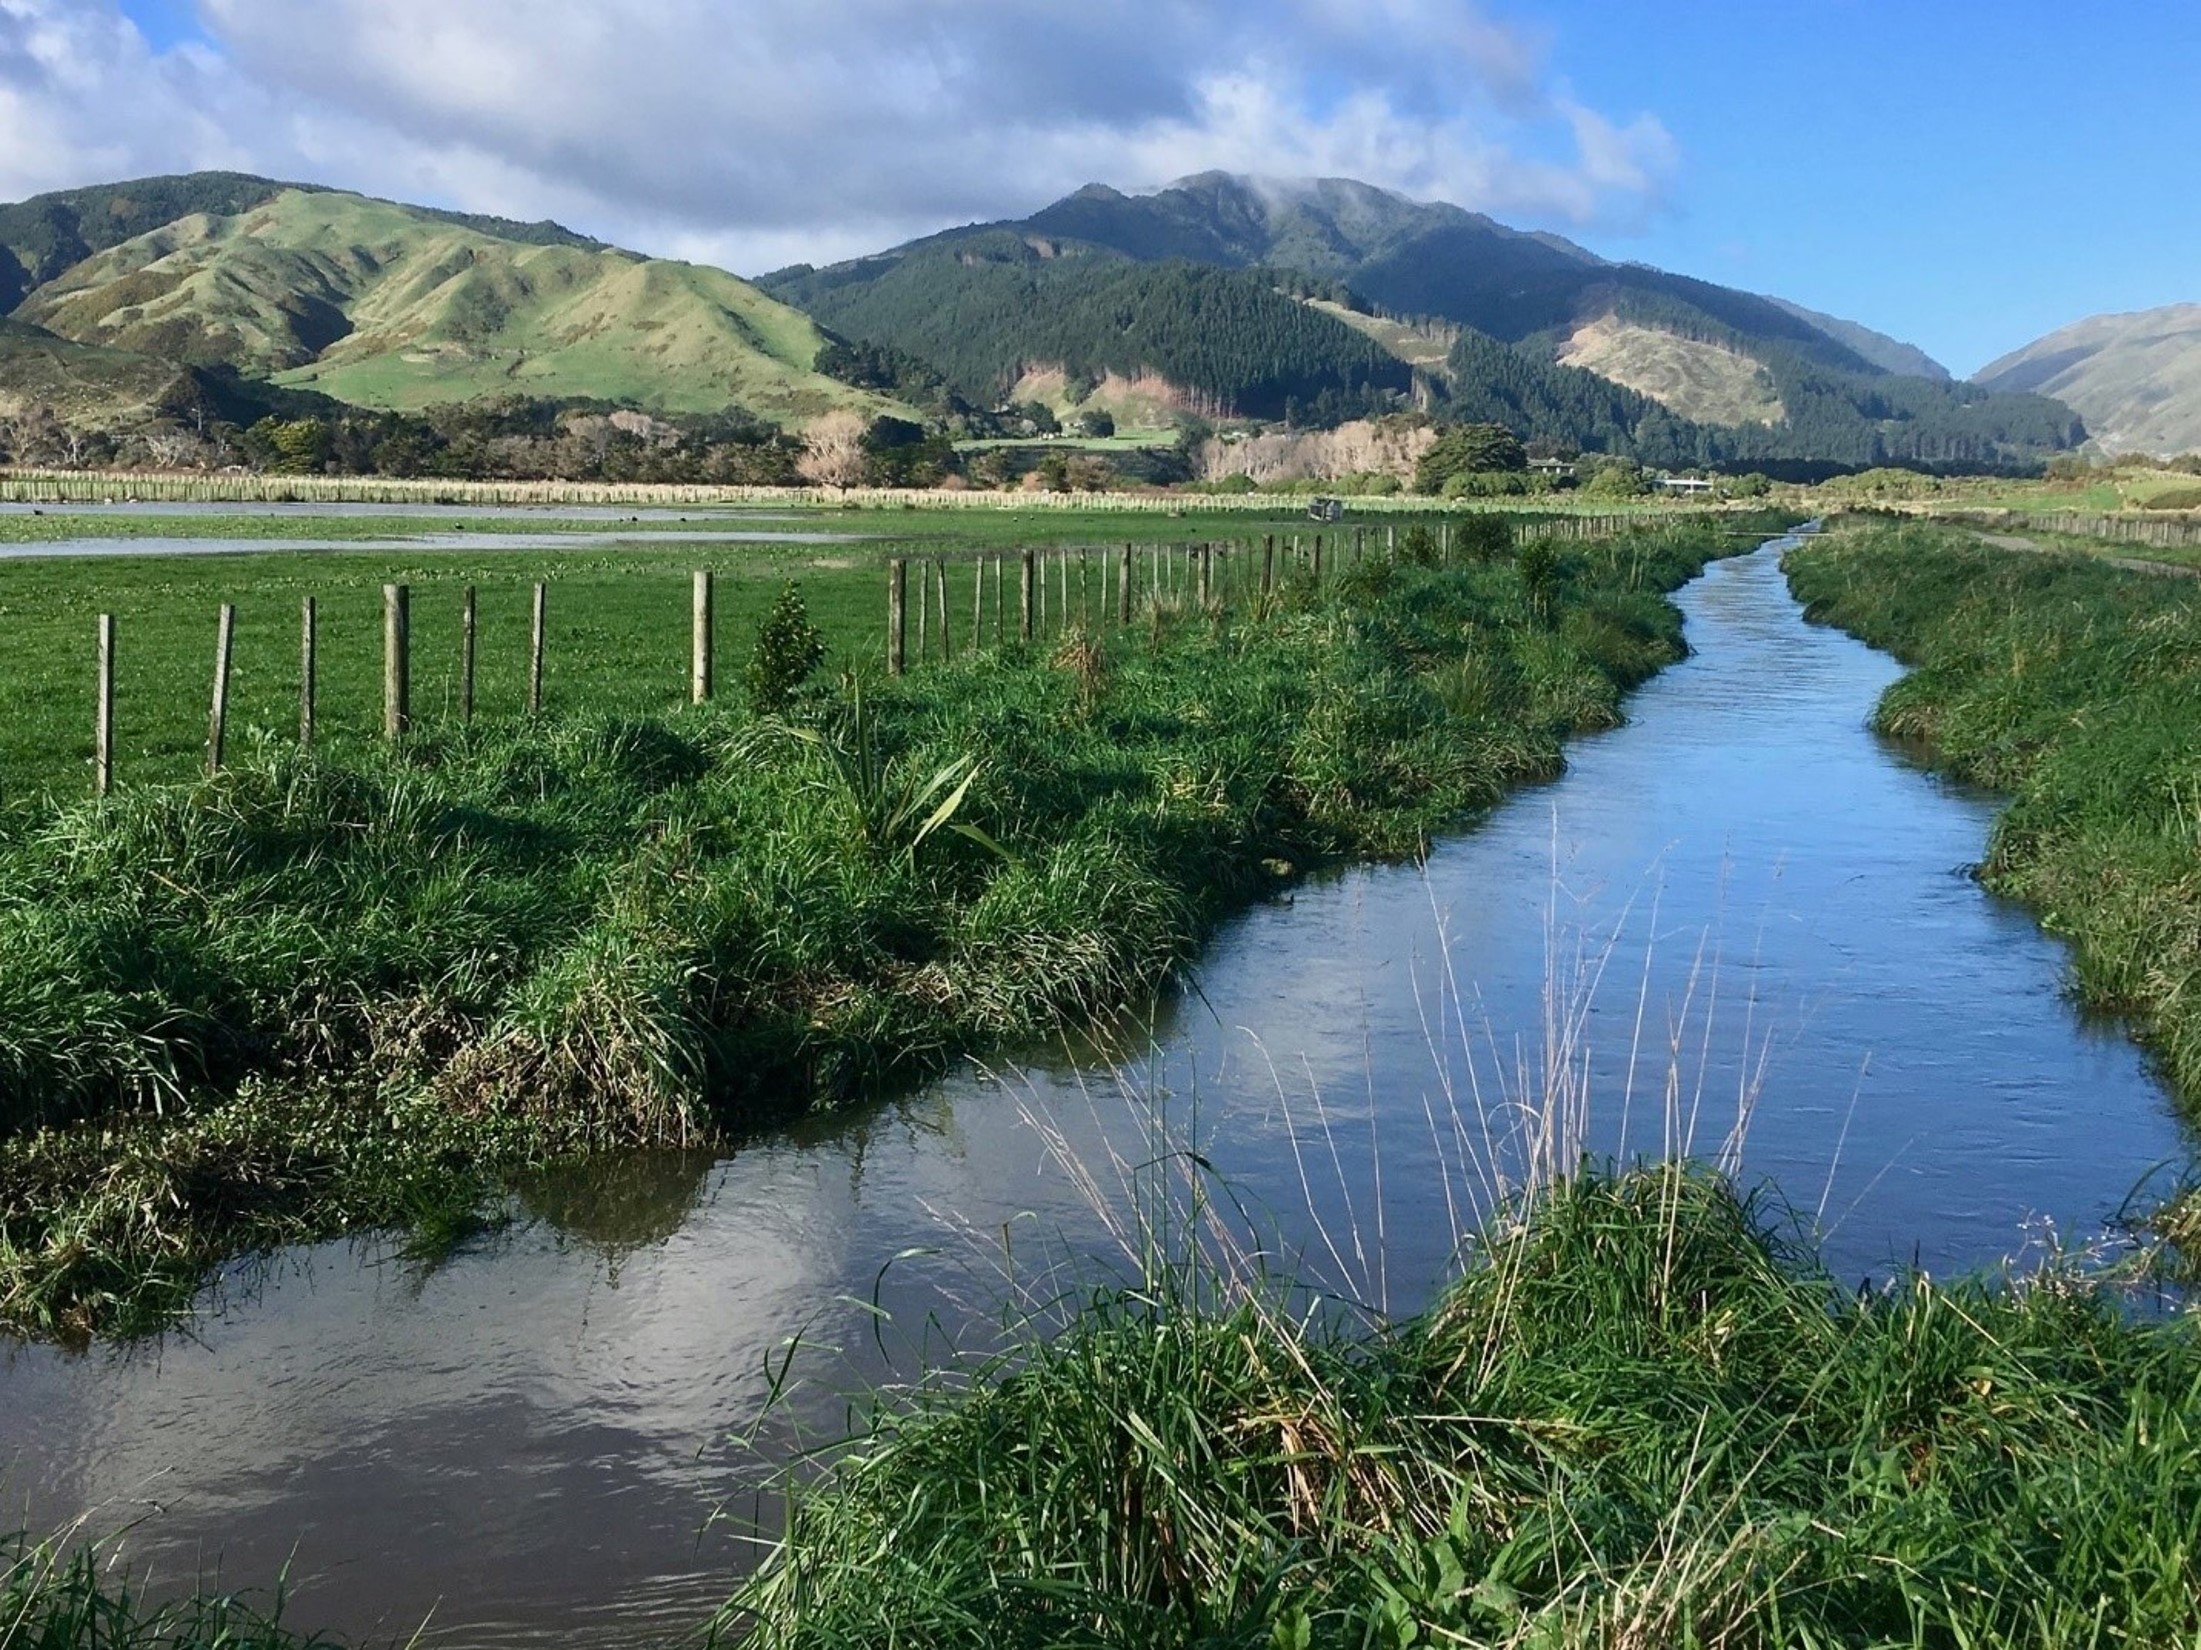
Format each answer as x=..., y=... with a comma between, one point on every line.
x=394, y=306
x=1424, y=344
x=2136, y=378
x=1709, y=383
x=79, y=382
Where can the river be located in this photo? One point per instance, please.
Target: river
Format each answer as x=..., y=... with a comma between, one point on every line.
x=1741, y=902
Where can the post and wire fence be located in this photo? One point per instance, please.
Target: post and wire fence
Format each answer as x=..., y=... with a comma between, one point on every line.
x=1058, y=593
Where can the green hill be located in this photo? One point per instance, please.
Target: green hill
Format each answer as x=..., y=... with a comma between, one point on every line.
x=82, y=384
x=404, y=307
x=1733, y=376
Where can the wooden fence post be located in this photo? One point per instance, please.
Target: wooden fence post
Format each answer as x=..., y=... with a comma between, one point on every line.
x=217, y=721
x=1001, y=622
x=538, y=622
x=940, y=587
x=1317, y=563
x=924, y=611
x=1207, y=573
x=702, y=633
x=103, y=722
x=1123, y=586
x=1268, y=567
x=469, y=626
x=978, y=604
x=309, y=666
x=397, y=661
x=897, y=615
x=1024, y=599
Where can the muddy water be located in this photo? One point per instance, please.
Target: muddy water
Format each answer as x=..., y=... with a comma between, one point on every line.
x=1740, y=902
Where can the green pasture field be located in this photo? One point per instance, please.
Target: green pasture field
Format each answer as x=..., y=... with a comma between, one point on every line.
x=617, y=640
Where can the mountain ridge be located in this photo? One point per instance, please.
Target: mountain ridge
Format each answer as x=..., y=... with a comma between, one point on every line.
x=1418, y=261
x=2135, y=376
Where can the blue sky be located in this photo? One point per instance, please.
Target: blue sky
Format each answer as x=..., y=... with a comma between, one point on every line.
x=1965, y=174
x=1962, y=174
x=164, y=23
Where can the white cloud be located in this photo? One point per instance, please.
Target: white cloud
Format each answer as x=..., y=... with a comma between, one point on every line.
x=755, y=133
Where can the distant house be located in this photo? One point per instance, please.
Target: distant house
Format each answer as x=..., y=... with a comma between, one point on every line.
x=1556, y=467
x=1685, y=484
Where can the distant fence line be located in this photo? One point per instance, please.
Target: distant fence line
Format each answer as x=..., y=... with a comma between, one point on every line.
x=1031, y=595
x=2163, y=531
x=33, y=486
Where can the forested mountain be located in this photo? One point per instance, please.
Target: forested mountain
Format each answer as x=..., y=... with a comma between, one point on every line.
x=1533, y=296
x=2135, y=378
x=1878, y=349
x=988, y=308
x=383, y=305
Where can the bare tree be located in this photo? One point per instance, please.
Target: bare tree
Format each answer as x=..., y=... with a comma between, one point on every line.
x=172, y=449
x=833, y=450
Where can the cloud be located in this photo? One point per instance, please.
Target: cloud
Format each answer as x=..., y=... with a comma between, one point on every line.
x=753, y=133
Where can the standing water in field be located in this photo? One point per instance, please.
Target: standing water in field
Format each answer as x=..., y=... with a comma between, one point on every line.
x=1741, y=902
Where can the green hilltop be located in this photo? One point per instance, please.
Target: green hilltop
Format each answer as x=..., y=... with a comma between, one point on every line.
x=387, y=306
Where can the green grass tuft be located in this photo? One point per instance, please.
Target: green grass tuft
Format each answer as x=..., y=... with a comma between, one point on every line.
x=1639, y=1417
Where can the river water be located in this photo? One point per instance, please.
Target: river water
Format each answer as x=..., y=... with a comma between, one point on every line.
x=1741, y=902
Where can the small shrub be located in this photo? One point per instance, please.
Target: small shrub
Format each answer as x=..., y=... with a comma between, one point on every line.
x=788, y=650
x=1538, y=565
x=1484, y=537
x=1419, y=546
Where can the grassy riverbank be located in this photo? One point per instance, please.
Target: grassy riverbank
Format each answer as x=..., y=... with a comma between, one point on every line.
x=1638, y=1418
x=358, y=988
x=2076, y=688
x=1641, y=1415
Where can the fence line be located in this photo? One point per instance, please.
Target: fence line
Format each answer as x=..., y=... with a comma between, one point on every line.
x=2159, y=531
x=1212, y=577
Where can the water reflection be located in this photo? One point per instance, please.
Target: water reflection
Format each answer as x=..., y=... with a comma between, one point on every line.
x=1773, y=908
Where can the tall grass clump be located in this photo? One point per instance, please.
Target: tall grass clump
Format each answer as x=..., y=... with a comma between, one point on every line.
x=1641, y=1415
x=55, y=1599
x=362, y=986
